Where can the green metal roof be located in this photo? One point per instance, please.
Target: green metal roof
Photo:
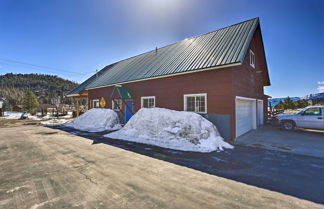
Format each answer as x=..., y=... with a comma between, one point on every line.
x=217, y=48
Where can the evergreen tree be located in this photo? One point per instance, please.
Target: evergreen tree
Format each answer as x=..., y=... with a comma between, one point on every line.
x=280, y=105
x=288, y=104
x=30, y=102
x=301, y=103
x=13, y=87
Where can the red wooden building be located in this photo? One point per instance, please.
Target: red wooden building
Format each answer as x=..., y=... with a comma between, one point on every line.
x=220, y=74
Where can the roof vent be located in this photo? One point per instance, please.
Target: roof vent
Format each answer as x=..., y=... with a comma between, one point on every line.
x=155, y=50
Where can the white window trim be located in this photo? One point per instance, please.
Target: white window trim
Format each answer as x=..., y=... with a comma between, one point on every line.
x=113, y=104
x=190, y=95
x=252, y=64
x=147, y=97
x=93, y=101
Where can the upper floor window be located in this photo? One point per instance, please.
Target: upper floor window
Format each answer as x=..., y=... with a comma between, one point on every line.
x=148, y=102
x=95, y=103
x=116, y=104
x=252, y=59
x=195, y=103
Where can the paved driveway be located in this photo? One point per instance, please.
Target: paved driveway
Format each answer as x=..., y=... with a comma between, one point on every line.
x=302, y=141
x=289, y=173
x=47, y=168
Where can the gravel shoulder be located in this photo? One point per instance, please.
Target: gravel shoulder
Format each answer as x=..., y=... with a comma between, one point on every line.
x=47, y=168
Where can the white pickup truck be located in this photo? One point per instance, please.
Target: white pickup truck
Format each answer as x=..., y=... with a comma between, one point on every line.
x=309, y=117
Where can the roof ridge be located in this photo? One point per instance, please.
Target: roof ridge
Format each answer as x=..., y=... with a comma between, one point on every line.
x=221, y=28
x=180, y=41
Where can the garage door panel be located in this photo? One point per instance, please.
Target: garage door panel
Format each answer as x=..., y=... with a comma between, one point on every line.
x=244, y=116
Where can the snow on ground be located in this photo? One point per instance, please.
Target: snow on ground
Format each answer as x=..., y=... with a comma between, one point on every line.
x=96, y=120
x=69, y=115
x=49, y=116
x=12, y=115
x=172, y=129
x=17, y=115
x=33, y=117
x=54, y=122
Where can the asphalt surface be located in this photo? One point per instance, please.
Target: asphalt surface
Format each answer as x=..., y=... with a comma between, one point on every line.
x=49, y=168
x=301, y=141
x=293, y=174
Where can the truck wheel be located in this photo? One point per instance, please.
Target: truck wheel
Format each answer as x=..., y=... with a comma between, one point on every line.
x=288, y=125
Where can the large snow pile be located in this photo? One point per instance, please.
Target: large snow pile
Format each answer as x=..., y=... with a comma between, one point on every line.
x=96, y=120
x=172, y=129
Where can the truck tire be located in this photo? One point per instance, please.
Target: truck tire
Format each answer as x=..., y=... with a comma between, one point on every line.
x=288, y=125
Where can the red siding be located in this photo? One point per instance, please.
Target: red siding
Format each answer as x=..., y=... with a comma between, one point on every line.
x=221, y=86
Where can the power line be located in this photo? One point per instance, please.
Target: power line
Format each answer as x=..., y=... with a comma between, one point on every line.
x=42, y=66
x=47, y=71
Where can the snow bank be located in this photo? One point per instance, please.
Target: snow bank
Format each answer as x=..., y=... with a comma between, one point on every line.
x=17, y=115
x=96, y=120
x=12, y=115
x=172, y=129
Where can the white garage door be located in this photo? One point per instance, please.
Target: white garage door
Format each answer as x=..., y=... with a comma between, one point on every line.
x=245, y=115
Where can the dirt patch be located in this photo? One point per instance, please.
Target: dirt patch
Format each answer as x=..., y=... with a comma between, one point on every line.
x=288, y=148
x=159, y=156
x=258, y=145
x=15, y=122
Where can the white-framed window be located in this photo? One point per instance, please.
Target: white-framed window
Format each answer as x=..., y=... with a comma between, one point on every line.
x=148, y=102
x=116, y=104
x=252, y=59
x=95, y=103
x=195, y=103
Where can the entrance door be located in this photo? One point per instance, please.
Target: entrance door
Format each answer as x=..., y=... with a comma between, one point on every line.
x=128, y=110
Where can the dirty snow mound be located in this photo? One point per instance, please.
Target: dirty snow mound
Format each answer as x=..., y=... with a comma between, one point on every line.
x=172, y=129
x=96, y=120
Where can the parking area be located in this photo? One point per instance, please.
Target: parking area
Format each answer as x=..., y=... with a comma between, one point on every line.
x=50, y=168
x=285, y=172
x=302, y=141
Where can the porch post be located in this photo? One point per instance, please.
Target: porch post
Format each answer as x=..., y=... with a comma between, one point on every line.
x=77, y=107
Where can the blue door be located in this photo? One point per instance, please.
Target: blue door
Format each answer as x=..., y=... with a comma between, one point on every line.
x=128, y=110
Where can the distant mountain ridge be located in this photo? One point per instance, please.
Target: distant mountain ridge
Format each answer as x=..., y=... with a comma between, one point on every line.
x=45, y=87
x=314, y=96
x=275, y=101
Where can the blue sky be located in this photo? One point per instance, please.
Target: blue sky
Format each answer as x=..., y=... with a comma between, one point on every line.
x=76, y=37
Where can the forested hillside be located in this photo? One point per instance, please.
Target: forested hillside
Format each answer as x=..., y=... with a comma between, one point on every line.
x=14, y=86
